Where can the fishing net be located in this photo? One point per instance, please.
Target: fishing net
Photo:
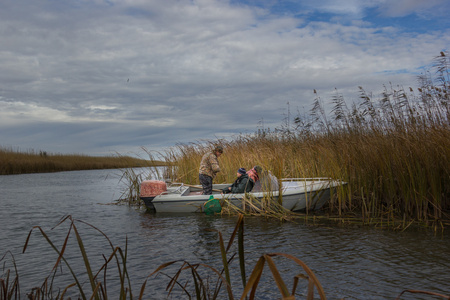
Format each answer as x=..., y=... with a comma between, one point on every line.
x=212, y=206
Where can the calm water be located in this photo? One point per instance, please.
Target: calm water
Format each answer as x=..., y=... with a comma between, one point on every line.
x=350, y=263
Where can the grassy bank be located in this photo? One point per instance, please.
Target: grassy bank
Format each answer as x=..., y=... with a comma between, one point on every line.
x=393, y=151
x=19, y=162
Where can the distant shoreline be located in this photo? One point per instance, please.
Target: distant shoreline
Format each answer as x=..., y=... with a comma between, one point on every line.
x=17, y=162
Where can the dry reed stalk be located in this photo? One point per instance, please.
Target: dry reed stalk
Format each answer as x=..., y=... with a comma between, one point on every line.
x=393, y=152
x=98, y=286
x=202, y=290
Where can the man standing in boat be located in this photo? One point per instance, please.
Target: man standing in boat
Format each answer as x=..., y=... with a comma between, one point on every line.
x=209, y=167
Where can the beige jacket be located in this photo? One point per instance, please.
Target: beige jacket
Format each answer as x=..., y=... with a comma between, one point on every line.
x=209, y=165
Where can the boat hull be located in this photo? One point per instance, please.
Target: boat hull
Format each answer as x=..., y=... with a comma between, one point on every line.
x=297, y=195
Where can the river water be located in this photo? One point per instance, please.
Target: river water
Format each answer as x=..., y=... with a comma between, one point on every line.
x=350, y=263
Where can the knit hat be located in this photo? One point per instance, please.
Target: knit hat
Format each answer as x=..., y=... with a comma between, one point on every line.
x=242, y=171
x=218, y=148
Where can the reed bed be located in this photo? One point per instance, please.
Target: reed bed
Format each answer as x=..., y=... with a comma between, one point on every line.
x=19, y=162
x=394, y=152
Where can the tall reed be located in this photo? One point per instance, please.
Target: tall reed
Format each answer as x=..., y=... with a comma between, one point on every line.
x=393, y=151
x=9, y=280
x=132, y=178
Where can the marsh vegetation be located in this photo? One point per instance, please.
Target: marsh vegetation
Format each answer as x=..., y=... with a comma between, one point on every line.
x=19, y=162
x=394, y=151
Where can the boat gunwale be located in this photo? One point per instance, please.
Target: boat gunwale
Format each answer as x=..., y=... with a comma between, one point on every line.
x=288, y=191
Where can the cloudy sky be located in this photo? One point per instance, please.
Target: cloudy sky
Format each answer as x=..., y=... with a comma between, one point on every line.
x=104, y=76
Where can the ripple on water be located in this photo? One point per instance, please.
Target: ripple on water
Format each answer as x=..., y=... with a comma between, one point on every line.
x=355, y=263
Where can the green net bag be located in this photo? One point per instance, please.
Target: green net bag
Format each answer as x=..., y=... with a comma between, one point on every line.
x=212, y=206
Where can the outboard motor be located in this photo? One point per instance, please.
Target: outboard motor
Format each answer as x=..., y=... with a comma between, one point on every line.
x=150, y=189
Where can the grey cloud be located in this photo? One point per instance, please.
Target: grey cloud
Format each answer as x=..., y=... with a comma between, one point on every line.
x=424, y=8
x=95, y=75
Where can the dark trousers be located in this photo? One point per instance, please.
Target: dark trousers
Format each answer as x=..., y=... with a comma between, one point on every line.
x=206, y=182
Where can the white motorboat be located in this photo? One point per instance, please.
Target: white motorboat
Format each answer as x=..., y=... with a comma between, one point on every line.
x=298, y=194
